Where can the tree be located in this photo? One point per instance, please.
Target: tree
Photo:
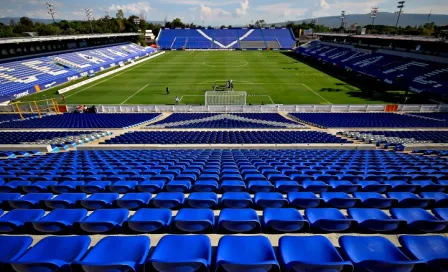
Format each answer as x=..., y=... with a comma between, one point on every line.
x=177, y=23
x=120, y=14
x=260, y=23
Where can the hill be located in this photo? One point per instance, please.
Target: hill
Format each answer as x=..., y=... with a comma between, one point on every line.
x=383, y=18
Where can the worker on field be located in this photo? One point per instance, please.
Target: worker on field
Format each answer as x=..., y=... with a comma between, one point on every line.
x=167, y=90
x=177, y=100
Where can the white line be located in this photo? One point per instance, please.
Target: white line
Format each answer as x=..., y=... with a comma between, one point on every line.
x=134, y=94
x=315, y=93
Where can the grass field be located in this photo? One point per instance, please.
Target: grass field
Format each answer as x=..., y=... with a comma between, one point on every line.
x=269, y=77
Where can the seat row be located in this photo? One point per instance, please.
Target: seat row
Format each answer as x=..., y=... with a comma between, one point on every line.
x=262, y=200
x=188, y=220
x=234, y=253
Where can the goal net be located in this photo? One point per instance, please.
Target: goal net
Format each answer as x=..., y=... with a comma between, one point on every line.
x=223, y=98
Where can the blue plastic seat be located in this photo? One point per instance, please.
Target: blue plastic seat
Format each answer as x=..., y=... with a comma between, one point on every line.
x=339, y=199
x=328, y=219
x=170, y=200
x=315, y=186
x=60, y=220
x=67, y=187
x=183, y=186
x=206, y=186
x=375, y=253
x=238, y=221
x=99, y=201
x=150, y=220
x=151, y=186
x=65, y=201
x=250, y=177
x=256, y=186
x=203, y=200
x=133, y=201
x=315, y=253
x=53, y=253
x=372, y=186
x=284, y=220
x=428, y=186
x=236, y=200
x=122, y=187
x=17, y=245
x=245, y=253
x=5, y=197
x=193, y=253
x=400, y=186
x=270, y=200
x=104, y=220
x=30, y=201
x=38, y=187
x=14, y=221
x=286, y=186
x=232, y=186
x=374, y=200
x=419, y=219
x=407, y=199
x=113, y=253
x=13, y=186
x=303, y=200
x=94, y=187
x=343, y=186
x=440, y=199
x=194, y=221
x=441, y=213
x=375, y=220
x=431, y=249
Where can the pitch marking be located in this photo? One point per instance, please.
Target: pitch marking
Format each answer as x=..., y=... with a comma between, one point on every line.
x=244, y=63
x=315, y=93
x=134, y=94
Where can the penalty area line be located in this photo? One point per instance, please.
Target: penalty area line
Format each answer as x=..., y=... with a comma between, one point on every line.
x=306, y=86
x=134, y=94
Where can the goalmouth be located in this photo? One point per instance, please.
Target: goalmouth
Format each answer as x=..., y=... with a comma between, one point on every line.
x=224, y=98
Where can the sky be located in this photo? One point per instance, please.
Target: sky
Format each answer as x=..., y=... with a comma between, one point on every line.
x=213, y=12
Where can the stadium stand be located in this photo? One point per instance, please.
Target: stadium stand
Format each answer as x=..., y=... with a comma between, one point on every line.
x=224, y=137
x=49, y=137
x=360, y=120
x=4, y=117
x=233, y=38
x=76, y=120
x=398, y=137
x=22, y=77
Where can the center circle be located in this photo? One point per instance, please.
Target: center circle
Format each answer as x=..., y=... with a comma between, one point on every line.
x=234, y=64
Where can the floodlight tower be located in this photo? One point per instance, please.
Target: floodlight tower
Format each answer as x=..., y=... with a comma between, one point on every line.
x=342, y=18
x=400, y=6
x=89, y=18
x=51, y=10
x=373, y=14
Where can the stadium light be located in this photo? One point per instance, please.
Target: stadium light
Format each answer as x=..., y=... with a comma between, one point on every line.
x=342, y=18
x=51, y=10
x=373, y=14
x=400, y=6
x=89, y=18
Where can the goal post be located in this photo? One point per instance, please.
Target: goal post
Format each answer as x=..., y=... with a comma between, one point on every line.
x=225, y=98
x=39, y=107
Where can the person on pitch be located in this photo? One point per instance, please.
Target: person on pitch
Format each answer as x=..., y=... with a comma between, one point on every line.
x=177, y=100
x=167, y=90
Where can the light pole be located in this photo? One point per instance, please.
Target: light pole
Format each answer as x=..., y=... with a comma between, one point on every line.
x=89, y=18
x=51, y=10
x=342, y=19
x=373, y=14
x=400, y=6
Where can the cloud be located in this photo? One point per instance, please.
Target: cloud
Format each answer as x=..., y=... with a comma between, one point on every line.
x=213, y=13
x=281, y=10
x=243, y=10
x=208, y=3
x=134, y=8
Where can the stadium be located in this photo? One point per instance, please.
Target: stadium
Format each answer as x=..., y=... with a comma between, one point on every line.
x=246, y=148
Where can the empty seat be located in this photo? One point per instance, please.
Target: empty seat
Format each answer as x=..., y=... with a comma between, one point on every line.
x=310, y=253
x=193, y=253
x=65, y=201
x=284, y=220
x=431, y=249
x=204, y=200
x=14, y=221
x=30, y=201
x=94, y=187
x=343, y=186
x=400, y=186
x=339, y=199
x=419, y=219
x=170, y=200
x=183, y=186
x=375, y=253
x=150, y=220
x=60, y=220
x=286, y=186
x=236, y=200
x=407, y=199
x=67, y=187
x=53, y=253
x=270, y=200
x=328, y=219
x=428, y=186
x=440, y=199
x=104, y=220
x=233, y=186
x=374, y=200
x=238, y=221
x=5, y=197
x=13, y=186
x=245, y=253
x=113, y=253
x=99, y=201
x=374, y=220
x=205, y=186
x=372, y=186
x=17, y=245
x=38, y=187
x=133, y=201
x=123, y=186
x=256, y=186
x=194, y=221
x=315, y=186
x=151, y=186
x=303, y=199
x=441, y=213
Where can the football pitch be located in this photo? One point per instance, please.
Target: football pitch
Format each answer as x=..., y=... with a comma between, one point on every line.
x=268, y=77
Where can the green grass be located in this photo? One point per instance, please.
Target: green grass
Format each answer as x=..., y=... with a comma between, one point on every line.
x=267, y=76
